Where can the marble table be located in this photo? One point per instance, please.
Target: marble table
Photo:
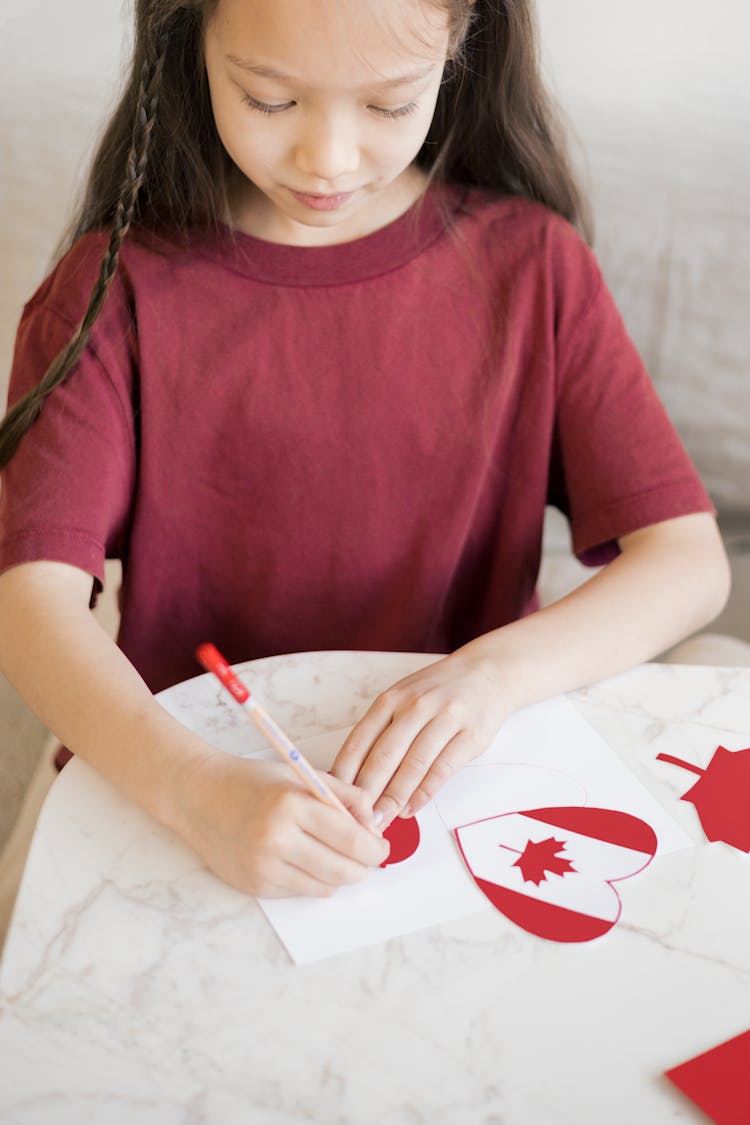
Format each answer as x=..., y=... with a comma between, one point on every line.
x=136, y=988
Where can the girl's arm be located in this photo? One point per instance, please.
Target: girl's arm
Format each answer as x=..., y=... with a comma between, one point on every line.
x=670, y=580
x=249, y=821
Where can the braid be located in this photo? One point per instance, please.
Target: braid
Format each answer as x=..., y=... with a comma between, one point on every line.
x=24, y=413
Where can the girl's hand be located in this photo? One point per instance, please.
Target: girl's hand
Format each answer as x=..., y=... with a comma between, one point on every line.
x=421, y=731
x=258, y=829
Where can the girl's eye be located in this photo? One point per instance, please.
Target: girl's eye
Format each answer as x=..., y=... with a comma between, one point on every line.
x=265, y=107
x=402, y=111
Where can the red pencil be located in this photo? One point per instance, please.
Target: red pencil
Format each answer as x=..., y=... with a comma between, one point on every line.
x=212, y=660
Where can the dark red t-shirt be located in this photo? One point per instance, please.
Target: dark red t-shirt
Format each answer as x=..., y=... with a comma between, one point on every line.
x=352, y=446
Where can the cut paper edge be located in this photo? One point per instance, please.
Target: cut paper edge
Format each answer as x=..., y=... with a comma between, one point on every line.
x=717, y=1081
x=403, y=836
x=472, y=794
x=594, y=905
x=570, y=925
x=632, y=832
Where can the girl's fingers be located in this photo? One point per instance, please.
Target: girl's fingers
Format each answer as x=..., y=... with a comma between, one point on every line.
x=356, y=800
x=401, y=758
x=342, y=834
x=326, y=868
x=407, y=700
x=329, y=850
x=290, y=880
x=420, y=732
x=463, y=748
x=379, y=742
x=310, y=871
x=317, y=849
x=361, y=738
x=266, y=834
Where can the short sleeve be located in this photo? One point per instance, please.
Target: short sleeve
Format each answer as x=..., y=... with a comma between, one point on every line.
x=67, y=492
x=618, y=464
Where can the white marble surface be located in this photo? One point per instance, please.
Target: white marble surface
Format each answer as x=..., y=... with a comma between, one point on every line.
x=136, y=988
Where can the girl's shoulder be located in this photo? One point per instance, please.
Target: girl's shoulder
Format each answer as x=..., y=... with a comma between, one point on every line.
x=514, y=231
x=517, y=217
x=67, y=287
x=74, y=271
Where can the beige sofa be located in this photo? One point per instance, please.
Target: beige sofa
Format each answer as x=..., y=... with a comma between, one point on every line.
x=659, y=101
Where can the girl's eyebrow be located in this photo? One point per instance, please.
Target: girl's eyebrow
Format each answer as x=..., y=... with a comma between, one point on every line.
x=278, y=76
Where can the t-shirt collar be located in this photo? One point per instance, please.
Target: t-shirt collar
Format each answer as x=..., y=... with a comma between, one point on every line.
x=384, y=250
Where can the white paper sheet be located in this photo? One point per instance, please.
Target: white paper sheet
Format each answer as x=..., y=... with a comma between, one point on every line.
x=545, y=755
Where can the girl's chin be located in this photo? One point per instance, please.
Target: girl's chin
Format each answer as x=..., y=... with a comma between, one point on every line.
x=294, y=218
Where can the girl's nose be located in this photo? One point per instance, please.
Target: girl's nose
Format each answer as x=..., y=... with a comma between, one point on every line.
x=328, y=149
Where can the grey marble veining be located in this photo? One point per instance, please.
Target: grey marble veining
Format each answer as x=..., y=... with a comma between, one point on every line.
x=135, y=987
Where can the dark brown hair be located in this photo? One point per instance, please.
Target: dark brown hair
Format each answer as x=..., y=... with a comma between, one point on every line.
x=160, y=163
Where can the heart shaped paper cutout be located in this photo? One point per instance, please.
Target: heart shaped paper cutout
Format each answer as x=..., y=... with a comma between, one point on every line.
x=403, y=836
x=481, y=790
x=551, y=870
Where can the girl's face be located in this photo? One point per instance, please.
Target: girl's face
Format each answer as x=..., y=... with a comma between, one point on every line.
x=323, y=106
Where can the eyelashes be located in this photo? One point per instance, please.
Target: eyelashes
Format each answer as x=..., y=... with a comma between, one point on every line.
x=269, y=108
x=265, y=107
x=402, y=111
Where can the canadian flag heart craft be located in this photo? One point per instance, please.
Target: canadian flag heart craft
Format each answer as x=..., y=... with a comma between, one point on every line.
x=551, y=870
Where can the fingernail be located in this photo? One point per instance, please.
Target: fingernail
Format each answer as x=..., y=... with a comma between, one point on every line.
x=378, y=817
x=406, y=811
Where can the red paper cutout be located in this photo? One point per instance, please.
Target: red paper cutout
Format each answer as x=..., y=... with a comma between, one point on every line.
x=403, y=836
x=539, y=858
x=717, y=1081
x=544, y=919
x=721, y=795
x=583, y=905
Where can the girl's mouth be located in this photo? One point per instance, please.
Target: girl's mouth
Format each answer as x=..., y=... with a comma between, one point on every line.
x=323, y=202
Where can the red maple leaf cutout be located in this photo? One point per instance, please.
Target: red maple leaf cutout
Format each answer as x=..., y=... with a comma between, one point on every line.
x=720, y=795
x=539, y=857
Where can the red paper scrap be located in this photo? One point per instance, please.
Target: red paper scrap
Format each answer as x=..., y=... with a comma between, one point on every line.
x=718, y=1082
x=403, y=836
x=721, y=795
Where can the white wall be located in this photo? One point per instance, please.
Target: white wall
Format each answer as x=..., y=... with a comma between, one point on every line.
x=59, y=67
x=659, y=94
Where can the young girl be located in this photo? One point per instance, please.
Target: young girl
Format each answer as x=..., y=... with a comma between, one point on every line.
x=322, y=346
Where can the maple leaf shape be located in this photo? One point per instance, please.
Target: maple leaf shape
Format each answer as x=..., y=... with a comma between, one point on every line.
x=539, y=857
x=720, y=795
